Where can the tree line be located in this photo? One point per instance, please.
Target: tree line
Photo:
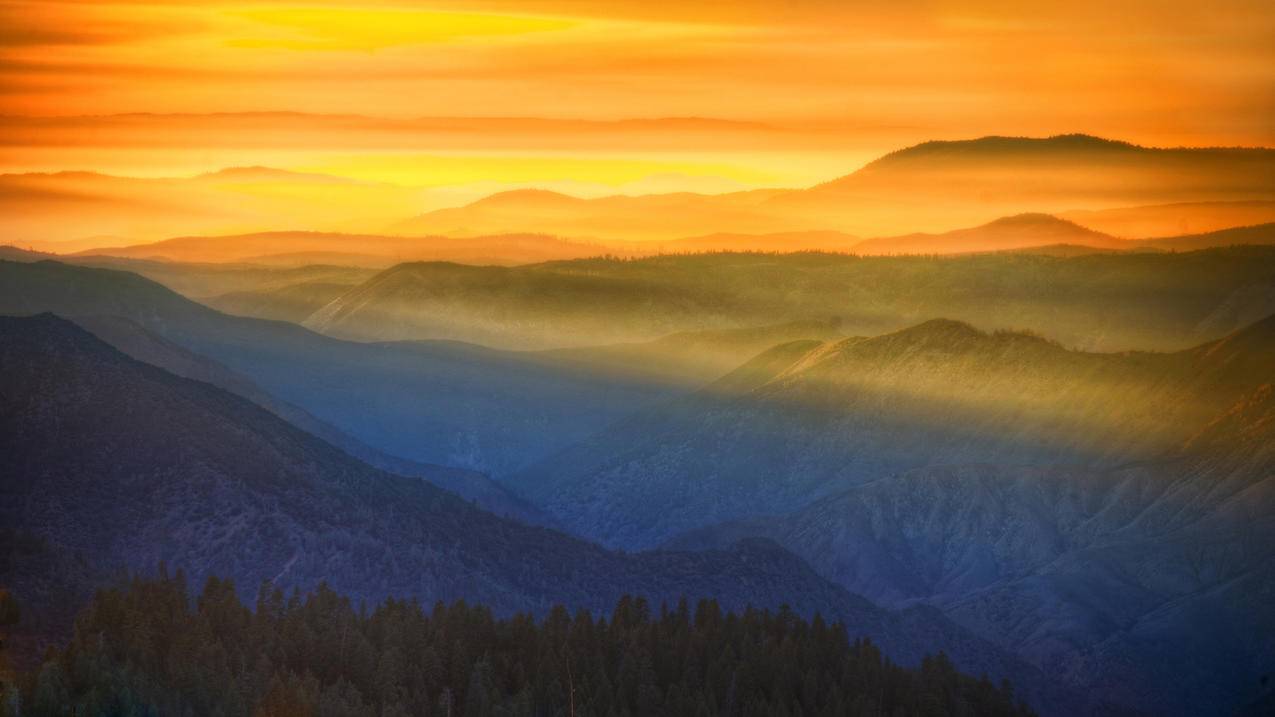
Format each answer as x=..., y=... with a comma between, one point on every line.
x=147, y=648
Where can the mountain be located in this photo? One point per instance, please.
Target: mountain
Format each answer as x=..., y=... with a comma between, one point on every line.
x=1117, y=578
x=363, y=250
x=136, y=342
x=517, y=307
x=934, y=186
x=691, y=358
x=201, y=281
x=292, y=302
x=1263, y=234
x=487, y=410
x=1017, y=232
x=829, y=241
x=1096, y=301
x=63, y=211
x=929, y=187
x=807, y=420
x=1100, y=514
x=1159, y=220
x=620, y=217
x=127, y=465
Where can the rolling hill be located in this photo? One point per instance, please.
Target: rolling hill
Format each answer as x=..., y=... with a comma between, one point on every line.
x=127, y=465
x=1022, y=231
x=943, y=184
x=360, y=250
x=130, y=338
x=1160, y=220
x=1101, y=301
x=1258, y=234
x=806, y=420
x=1103, y=515
x=1110, y=577
x=487, y=410
x=65, y=211
x=929, y=187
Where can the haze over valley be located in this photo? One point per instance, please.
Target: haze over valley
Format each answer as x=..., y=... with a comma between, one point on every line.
x=610, y=358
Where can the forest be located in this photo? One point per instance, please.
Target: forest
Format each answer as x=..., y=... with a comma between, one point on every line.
x=148, y=647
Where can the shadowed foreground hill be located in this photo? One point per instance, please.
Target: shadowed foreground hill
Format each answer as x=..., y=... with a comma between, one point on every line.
x=122, y=465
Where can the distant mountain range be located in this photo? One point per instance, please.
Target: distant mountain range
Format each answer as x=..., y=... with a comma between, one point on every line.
x=1106, y=302
x=119, y=464
x=1113, y=187
x=303, y=248
x=308, y=249
x=929, y=187
x=433, y=402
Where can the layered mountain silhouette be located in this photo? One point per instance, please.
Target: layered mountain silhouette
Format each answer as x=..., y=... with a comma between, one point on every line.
x=932, y=186
x=131, y=339
x=806, y=420
x=432, y=402
x=1120, y=578
x=127, y=465
x=1121, y=301
x=1162, y=220
x=1102, y=514
x=1022, y=231
x=72, y=211
x=379, y=251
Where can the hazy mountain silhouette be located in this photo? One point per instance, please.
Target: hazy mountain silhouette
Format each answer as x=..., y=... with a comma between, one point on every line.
x=128, y=465
x=365, y=250
x=1263, y=234
x=637, y=218
x=1017, y=232
x=1159, y=220
x=131, y=339
x=807, y=420
x=486, y=410
x=1117, y=301
x=49, y=210
x=930, y=187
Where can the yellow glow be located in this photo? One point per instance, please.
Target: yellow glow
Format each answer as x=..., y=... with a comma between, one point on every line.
x=441, y=170
x=434, y=100
x=315, y=28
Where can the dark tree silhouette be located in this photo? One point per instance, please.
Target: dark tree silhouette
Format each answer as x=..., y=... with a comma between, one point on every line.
x=148, y=649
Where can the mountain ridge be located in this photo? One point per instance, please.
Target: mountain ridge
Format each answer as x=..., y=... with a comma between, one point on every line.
x=206, y=480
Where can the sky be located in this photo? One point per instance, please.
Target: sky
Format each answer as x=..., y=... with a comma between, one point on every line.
x=600, y=97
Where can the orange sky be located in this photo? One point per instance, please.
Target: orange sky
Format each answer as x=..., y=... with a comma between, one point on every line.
x=811, y=88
